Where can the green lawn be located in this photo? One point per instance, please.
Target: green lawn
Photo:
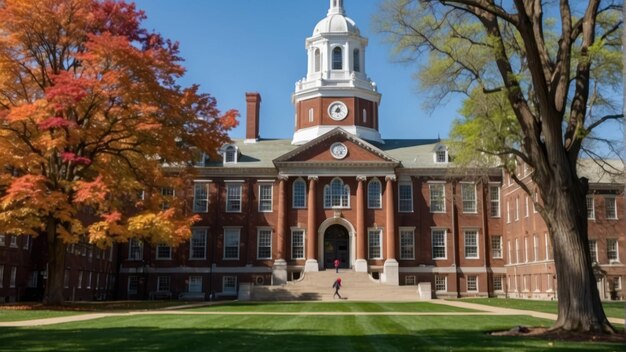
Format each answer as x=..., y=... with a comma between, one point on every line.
x=268, y=332
x=369, y=307
x=17, y=315
x=611, y=309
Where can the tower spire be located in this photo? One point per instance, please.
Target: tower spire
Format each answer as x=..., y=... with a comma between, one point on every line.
x=336, y=8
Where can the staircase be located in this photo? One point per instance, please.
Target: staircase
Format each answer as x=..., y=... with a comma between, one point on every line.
x=317, y=286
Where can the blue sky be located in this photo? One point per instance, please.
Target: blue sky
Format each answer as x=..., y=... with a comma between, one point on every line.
x=235, y=46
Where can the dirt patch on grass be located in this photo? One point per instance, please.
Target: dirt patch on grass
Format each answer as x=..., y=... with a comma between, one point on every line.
x=545, y=333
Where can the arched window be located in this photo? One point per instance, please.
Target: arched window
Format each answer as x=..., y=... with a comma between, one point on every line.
x=337, y=58
x=356, y=59
x=336, y=194
x=374, y=190
x=230, y=154
x=318, y=60
x=299, y=194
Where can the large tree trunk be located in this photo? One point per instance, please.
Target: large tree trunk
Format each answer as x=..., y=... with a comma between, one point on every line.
x=580, y=308
x=56, y=265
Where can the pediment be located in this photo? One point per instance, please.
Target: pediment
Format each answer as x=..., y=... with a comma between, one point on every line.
x=320, y=151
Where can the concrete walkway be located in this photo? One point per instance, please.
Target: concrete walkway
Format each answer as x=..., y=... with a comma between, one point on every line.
x=479, y=309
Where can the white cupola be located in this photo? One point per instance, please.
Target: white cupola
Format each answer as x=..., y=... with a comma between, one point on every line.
x=336, y=69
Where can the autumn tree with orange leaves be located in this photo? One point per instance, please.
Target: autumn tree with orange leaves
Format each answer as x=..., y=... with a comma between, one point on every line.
x=90, y=113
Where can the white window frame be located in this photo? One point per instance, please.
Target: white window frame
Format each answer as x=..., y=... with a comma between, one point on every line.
x=617, y=285
x=199, y=234
x=496, y=249
x=89, y=280
x=233, y=195
x=442, y=279
x=201, y=199
x=526, y=213
x=311, y=115
x=610, y=200
x=508, y=212
x=431, y=187
x=467, y=236
x=373, y=234
x=1, y=276
x=494, y=203
x=161, y=280
x=262, y=234
x=471, y=278
x=26, y=244
x=439, y=231
x=591, y=212
x=135, y=243
x=496, y=279
x=195, y=282
x=526, y=250
x=517, y=251
x=330, y=196
x=469, y=190
x=517, y=208
x=229, y=284
x=535, y=248
x=230, y=150
x=167, y=193
x=407, y=242
x=158, y=253
x=593, y=250
x=609, y=250
x=294, y=197
x=235, y=234
x=13, y=241
x=409, y=280
x=402, y=202
x=298, y=232
x=508, y=247
x=440, y=151
x=364, y=115
x=374, y=199
x=266, y=199
x=133, y=280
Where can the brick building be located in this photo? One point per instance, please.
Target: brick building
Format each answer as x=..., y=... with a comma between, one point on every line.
x=398, y=210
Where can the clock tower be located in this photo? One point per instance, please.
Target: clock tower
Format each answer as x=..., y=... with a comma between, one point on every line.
x=336, y=91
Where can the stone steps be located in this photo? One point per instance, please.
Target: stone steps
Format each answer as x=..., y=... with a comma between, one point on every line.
x=317, y=286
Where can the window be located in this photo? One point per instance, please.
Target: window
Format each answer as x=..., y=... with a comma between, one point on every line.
x=374, y=192
x=2, y=240
x=374, y=247
x=201, y=197
x=472, y=284
x=1, y=276
x=80, y=279
x=612, y=250
x=496, y=247
x=517, y=253
x=265, y=198
x=441, y=154
x=593, y=250
x=526, y=213
x=517, y=209
x=26, y=242
x=135, y=249
x=318, y=60
x=202, y=161
x=409, y=280
x=233, y=198
x=471, y=244
x=229, y=284
x=405, y=197
x=610, y=207
x=591, y=212
x=163, y=283
x=468, y=192
x=230, y=154
x=195, y=284
x=297, y=244
x=299, y=194
x=311, y=115
x=336, y=194
x=13, y=241
x=508, y=245
x=535, y=248
x=535, y=201
x=337, y=58
x=32, y=279
x=264, y=244
x=508, y=212
x=407, y=243
x=66, y=279
x=494, y=201
x=89, y=280
x=441, y=283
x=197, y=247
x=163, y=251
x=439, y=243
x=437, y=195
x=364, y=115
x=231, y=243
x=168, y=194
x=356, y=60
x=497, y=282
x=616, y=283
x=525, y=249
x=133, y=284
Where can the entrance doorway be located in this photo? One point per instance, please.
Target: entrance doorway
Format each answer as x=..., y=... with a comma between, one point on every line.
x=336, y=245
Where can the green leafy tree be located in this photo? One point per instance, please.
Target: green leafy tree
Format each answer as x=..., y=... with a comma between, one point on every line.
x=540, y=78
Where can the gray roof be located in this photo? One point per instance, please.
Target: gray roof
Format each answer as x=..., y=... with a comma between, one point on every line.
x=608, y=171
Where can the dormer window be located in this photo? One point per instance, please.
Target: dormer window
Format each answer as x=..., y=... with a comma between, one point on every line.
x=337, y=58
x=202, y=160
x=441, y=154
x=230, y=154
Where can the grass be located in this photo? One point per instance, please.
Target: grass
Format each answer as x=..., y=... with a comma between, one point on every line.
x=611, y=309
x=267, y=332
x=18, y=315
x=369, y=307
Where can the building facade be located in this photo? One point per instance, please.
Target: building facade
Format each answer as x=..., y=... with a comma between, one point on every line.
x=398, y=210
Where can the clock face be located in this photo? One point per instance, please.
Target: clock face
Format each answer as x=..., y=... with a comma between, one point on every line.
x=337, y=111
x=338, y=150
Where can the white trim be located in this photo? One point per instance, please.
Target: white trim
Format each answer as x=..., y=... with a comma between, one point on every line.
x=410, y=184
x=370, y=231
x=410, y=229
x=304, y=135
x=258, y=241
x=238, y=242
x=294, y=229
x=445, y=243
x=293, y=198
x=477, y=235
x=271, y=200
x=205, y=231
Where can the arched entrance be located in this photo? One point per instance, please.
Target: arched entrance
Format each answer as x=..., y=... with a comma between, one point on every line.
x=336, y=245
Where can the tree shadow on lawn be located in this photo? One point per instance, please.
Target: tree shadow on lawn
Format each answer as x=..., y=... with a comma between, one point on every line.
x=215, y=339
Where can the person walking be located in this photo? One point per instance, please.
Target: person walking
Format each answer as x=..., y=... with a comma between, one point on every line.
x=336, y=263
x=337, y=286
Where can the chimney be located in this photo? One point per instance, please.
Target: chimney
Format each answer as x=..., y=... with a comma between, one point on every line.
x=253, y=105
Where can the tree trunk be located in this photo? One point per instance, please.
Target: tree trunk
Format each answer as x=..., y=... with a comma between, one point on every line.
x=56, y=265
x=580, y=308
